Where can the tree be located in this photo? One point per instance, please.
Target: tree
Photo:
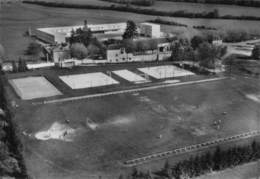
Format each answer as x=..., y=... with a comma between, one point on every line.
x=2, y=51
x=79, y=51
x=256, y=52
x=129, y=45
x=209, y=55
x=15, y=69
x=182, y=51
x=34, y=49
x=196, y=41
x=131, y=30
x=22, y=65
x=81, y=36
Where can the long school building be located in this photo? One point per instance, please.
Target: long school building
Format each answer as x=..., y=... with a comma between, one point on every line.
x=59, y=35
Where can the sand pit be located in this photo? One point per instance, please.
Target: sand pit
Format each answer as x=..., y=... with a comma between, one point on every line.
x=130, y=76
x=33, y=87
x=121, y=120
x=166, y=71
x=88, y=80
x=57, y=131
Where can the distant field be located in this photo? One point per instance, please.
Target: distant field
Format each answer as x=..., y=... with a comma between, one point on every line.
x=128, y=126
x=16, y=18
x=177, y=6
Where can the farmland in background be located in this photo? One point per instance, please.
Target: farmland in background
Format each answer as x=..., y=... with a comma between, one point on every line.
x=16, y=18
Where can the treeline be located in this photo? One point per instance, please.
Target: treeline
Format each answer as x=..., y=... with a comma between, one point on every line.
x=11, y=159
x=208, y=15
x=205, y=163
x=202, y=27
x=165, y=22
x=134, y=2
x=249, y=3
x=173, y=23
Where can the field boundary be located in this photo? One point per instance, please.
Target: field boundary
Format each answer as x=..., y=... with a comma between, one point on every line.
x=188, y=149
x=127, y=91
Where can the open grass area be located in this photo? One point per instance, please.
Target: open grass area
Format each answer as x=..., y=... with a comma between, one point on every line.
x=128, y=126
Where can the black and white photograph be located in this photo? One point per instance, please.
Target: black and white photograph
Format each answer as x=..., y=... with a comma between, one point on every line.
x=129, y=89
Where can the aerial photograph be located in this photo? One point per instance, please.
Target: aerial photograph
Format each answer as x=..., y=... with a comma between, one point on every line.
x=129, y=89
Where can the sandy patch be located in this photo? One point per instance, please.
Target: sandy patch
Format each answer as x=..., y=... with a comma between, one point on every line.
x=90, y=124
x=198, y=132
x=57, y=131
x=253, y=97
x=121, y=120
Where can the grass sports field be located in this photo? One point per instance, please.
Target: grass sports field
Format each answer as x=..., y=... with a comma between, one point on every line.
x=103, y=132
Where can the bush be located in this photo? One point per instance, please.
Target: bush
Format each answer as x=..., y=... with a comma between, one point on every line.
x=34, y=49
x=256, y=52
x=79, y=51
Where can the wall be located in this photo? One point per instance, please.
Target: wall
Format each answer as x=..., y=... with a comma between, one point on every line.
x=150, y=30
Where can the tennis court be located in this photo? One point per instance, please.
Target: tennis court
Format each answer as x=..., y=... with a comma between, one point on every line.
x=88, y=80
x=130, y=76
x=165, y=71
x=33, y=87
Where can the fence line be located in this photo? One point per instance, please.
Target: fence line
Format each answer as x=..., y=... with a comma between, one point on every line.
x=191, y=148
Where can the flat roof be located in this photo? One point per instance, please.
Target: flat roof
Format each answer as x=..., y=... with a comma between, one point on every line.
x=67, y=29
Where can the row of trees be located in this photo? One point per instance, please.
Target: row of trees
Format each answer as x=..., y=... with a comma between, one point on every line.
x=250, y=3
x=11, y=159
x=209, y=15
x=134, y=2
x=165, y=22
x=202, y=164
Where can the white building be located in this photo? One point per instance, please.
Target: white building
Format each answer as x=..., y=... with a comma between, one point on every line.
x=59, y=34
x=150, y=30
x=119, y=55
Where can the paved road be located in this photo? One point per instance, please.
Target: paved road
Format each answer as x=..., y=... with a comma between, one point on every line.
x=127, y=91
x=187, y=149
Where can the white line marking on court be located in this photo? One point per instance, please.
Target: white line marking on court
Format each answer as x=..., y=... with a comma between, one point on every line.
x=127, y=91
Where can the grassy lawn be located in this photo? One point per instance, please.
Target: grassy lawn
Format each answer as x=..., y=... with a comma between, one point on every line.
x=129, y=126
